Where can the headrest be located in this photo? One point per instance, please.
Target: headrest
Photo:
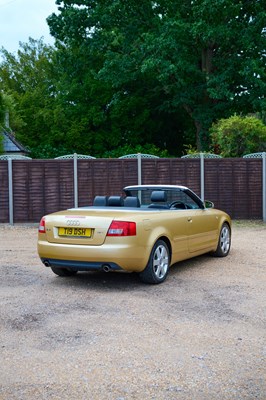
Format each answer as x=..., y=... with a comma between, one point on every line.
x=115, y=201
x=131, y=201
x=158, y=195
x=100, y=201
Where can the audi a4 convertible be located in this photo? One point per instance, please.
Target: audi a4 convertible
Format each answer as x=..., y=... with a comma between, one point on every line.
x=146, y=229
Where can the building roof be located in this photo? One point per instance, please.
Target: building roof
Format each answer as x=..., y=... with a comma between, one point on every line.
x=11, y=144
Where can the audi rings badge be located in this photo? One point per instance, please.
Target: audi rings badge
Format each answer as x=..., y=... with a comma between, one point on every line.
x=73, y=222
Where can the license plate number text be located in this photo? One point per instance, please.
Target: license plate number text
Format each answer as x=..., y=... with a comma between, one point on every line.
x=79, y=232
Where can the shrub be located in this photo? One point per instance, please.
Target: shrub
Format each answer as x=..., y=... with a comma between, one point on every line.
x=237, y=136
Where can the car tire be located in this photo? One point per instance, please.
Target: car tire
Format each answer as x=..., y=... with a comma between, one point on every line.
x=224, y=242
x=63, y=271
x=158, y=265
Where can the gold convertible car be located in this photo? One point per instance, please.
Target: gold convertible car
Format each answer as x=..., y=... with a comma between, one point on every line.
x=145, y=230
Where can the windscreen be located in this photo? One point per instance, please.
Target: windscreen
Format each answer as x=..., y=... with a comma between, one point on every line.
x=172, y=196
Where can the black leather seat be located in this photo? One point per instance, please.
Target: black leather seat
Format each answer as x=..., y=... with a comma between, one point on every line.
x=115, y=201
x=157, y=198
x=100, y=201
x=131, y=201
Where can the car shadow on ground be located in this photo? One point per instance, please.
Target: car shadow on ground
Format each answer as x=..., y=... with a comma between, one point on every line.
x=128, y=281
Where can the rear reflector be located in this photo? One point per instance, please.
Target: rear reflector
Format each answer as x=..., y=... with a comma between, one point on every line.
x=42, y=226
x=122, y=228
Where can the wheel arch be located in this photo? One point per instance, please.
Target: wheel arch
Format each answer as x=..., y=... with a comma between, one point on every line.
x=157, y=233
x=225, y=221
x=224, y=241
x=167, y=241
x=159, y=262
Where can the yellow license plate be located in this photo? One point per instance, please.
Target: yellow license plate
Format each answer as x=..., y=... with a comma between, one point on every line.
x=76, y=232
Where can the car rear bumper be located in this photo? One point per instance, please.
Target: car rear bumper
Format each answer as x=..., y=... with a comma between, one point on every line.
x=89, y=258
x=81, y=265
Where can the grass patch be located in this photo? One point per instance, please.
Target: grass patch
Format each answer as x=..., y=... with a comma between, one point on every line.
x=248, y=223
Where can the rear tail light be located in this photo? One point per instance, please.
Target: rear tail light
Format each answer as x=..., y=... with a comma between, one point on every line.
x=42, y=226
x=122, y=228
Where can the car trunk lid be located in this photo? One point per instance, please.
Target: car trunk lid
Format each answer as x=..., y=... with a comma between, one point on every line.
x=77, y=227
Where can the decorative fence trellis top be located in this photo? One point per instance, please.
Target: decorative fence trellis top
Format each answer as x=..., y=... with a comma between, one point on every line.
x=72, y=156
x=14, y=157
x=199, y=155
x=137, y=155
x=255, y=155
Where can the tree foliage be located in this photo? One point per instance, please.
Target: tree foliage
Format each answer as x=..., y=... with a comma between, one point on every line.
x=27, y=80
x=1, y=145
x=143, y=149
x=1, y=121
x=205, y=57
x=237, y=136
x=2, y=109
x=12, y=107
x=130, y=75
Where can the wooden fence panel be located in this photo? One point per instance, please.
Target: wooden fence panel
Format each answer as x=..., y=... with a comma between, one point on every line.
x=235, y=186
x=21, y=191
x=41, y=187
x=44, y=186
x=104, y=177
x=4, y=196
x=173, y=171
x=218, y=179
x=254, y=189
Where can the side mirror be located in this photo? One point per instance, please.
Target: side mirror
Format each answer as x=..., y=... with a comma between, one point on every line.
x=208, y=204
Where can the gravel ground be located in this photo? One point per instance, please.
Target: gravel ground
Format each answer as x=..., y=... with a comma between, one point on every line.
x=199, y=335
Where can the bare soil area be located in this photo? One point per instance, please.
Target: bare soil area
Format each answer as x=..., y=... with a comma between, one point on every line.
x=199, y=335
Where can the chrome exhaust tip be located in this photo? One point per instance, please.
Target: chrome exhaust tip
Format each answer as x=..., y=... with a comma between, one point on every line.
x=106, y=268
x=46, y=263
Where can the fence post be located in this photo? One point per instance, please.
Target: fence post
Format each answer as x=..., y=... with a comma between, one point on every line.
x=139, y=169
x=75, y=165
x=202, y=183
x=10, y=191
x=264, y=186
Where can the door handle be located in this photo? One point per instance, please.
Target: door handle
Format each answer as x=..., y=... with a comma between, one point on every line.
x=189, y=219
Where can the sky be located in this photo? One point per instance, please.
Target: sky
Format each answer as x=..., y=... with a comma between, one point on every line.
x=21, y=19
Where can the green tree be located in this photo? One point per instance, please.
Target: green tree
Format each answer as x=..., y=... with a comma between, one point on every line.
x=237, y=136
x=127, y=149
x=205, y=57
x=27, y=80
x=100, y=119
x=11, y=106
x=2, y=111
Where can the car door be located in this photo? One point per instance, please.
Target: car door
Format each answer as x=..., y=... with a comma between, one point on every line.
x=202, y=230
x=174, y=225
x=179, y=230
